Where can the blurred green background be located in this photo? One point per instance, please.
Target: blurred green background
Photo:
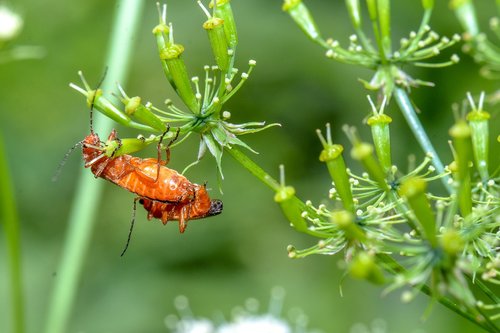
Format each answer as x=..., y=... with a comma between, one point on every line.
x=221, y=261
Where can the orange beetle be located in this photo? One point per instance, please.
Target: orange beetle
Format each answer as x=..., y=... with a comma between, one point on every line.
x=203, y=207
x=164, y=193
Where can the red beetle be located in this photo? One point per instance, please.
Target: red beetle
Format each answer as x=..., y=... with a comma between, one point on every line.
x=163, y=192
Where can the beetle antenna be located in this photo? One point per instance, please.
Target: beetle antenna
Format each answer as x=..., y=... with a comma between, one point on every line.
x=131, y=227
x=56, y=175
x=93, y=98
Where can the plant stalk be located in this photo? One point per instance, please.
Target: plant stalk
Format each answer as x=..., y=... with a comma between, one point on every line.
x=82, y=215
x=393, y=267
x=254, y=169
x=419, y=132
x=9, y=217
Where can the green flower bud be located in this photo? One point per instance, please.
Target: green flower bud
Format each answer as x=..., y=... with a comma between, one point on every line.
x=345, y=221
x=291, y=207
x=364, y=267
x=176, y=72
x=363, y=152
x=120, y=147
x=453, y=167
x=451, y=242
x=161, y=28
x=225, y=12
x=478, y=122
x=136, y=110
x=413, y=189
x=381, y=138
x=96, y=100
x=332, y=156
x=428, y=4
x=461, y=134
x=218, y=40
x=302, y=17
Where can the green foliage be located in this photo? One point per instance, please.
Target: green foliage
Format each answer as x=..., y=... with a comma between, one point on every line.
x=432, y=229
x=434, y=239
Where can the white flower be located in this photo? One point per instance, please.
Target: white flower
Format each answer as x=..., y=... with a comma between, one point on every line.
x=243, y=320
x=253, y=324
x=194, y=326
x=10, y=23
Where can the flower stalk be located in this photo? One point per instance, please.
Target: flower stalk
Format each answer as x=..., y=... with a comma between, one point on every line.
x=12, y=231
x=332, y=156
x=83, y=215
x=478, y=120
x=461, y=134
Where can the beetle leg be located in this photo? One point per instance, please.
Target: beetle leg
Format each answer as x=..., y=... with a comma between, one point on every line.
x=131, y=226
x=184, y=217
x=182, y=223
x=158, y=148
x=167, y=150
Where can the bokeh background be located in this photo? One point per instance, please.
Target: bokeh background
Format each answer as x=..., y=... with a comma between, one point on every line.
x=221, y=261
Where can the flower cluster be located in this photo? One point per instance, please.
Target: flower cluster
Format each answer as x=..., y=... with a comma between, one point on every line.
x=484, y=51
x=416, y=49
x=394, y=231
x=204, y=100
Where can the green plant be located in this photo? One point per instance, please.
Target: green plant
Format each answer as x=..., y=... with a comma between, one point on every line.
x=392, y=229
x=11, y=24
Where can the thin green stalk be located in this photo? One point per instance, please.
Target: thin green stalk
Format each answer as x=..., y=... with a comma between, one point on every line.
x=418, y=130
x=263, y=176
x=487, y=291
x=256, y=170
x=10, y=221
x=390, y=263
x=394, y=267
x=88, y=195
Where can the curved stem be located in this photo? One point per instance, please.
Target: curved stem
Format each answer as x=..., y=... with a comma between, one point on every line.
x=83, y=212
x=419, y=132
x=11, y=224
x=256, y=170
x=394, y=267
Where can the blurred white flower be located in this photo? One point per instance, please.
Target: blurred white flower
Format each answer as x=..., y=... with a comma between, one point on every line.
x=262, y=324
x=10, y=23
x=244, y=319
x=194, y=326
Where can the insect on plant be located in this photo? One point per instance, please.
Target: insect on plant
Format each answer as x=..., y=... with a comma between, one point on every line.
x=164, y=193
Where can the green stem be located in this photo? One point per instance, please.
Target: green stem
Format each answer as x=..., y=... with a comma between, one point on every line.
x=466, y=14
x=487, y=291
x=419, y=132
x=263, y=176
x=393, y=267
x=89, y=190
x=11, y=224
x=256, y=170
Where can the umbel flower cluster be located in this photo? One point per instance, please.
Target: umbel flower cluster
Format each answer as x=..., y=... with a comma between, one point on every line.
x=385, y=214
x=391, y=229
x=204, y=99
